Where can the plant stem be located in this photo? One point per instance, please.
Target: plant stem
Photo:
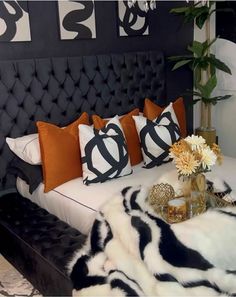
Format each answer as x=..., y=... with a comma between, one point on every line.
x=208, y=36
x=206, y=108
x=204, y=121
x=209, y=108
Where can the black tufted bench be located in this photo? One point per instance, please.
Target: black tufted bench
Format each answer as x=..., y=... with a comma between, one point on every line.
x=38, y=244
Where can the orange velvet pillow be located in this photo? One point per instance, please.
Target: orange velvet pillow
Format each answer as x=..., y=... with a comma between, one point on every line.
x=130, y=132
x=60, y=152
x=152, y=110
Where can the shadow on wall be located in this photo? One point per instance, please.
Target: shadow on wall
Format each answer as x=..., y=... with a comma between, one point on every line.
x=224, y=113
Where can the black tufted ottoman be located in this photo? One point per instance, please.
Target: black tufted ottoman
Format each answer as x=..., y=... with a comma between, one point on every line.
x=38, y=244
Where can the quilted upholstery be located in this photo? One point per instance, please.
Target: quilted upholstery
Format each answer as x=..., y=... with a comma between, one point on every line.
x=41, y=243
x=59, y=89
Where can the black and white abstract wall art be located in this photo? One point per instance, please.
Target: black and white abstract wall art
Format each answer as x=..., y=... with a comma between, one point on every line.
x=14, y=21
x=77, y=19
x=133, y=20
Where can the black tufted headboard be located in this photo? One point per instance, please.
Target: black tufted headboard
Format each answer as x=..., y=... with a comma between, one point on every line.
x=58, y=90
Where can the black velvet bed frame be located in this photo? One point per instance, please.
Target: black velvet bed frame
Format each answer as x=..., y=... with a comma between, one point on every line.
x=58, y=90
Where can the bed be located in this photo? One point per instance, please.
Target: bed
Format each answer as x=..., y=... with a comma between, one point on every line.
x=65, y=202
x=58, y=90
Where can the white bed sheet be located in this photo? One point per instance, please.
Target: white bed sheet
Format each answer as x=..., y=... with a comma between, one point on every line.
x=77, y=204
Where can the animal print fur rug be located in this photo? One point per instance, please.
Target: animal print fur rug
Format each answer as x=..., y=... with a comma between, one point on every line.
x=131, y=251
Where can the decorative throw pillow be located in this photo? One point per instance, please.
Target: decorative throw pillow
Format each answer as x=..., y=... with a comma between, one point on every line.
x=167, y=116
x=26, y=148
x=152, y=111
x=130, y=133
x=104, y=152
x=31, y=174
x=156, y=137
x=60, y=152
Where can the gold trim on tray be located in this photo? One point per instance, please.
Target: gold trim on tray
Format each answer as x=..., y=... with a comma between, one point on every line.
x=163, y=200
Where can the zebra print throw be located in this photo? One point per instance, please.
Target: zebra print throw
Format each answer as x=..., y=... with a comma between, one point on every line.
x=131, y=251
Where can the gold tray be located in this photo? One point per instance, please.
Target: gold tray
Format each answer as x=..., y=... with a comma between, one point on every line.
x=211, y=201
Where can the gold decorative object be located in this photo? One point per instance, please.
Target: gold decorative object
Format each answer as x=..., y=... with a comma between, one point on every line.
x=209, y=134
x=176, y=210
x=160, y=194
x=198, y=182
x=196, y=198
x=212, y=201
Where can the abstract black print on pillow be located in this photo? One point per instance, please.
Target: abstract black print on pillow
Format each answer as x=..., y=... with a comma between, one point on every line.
x=104, y=152
x=77, y=19
x=14, y=21
x=132, y=20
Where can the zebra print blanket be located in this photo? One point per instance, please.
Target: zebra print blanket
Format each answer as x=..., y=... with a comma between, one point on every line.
x=133, y=252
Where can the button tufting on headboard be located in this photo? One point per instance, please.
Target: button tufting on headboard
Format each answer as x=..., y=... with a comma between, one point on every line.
x=59, y=89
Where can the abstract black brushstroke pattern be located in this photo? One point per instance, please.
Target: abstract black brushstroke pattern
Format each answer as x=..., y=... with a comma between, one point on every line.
x=131, y=16
x=11, y=18
x=116, y=165
x=72, y=20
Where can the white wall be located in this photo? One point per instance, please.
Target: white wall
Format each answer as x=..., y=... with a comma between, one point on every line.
x=225, y=123
x=225, y=111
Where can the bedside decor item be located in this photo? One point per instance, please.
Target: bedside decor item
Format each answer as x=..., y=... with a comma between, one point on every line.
x=197, y=201
x=159, y=196
x=203, y=64
x=179, y=209
x=192, y=157
x=176, y=210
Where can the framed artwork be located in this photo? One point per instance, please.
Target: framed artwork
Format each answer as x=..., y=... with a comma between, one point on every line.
x=133, y=20
x=77, y=19
x=14, y=21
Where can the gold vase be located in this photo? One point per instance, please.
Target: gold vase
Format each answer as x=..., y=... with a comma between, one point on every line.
x=197, y=194
x=209, y=134
x=206, y=130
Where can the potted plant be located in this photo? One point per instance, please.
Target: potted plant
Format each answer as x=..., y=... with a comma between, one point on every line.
x=203, y=63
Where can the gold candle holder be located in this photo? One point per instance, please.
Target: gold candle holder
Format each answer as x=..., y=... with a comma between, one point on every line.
x=176, y=210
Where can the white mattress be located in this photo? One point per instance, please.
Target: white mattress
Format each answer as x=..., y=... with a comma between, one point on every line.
x=77, y=204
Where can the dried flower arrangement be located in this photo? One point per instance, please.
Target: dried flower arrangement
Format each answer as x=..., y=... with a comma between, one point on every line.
x=192, y=156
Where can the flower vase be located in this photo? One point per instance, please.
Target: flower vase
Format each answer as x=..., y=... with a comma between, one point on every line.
x=206, y=130
x=197, y=195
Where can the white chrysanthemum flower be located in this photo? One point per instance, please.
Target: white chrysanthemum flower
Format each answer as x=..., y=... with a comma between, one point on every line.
x=208, y=158
x=186, y=164
x=196, y=142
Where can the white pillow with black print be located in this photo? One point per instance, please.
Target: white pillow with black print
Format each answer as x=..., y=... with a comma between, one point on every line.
x=26, y=148
x=157, y=136
x=104, y=152
x=167, y=116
